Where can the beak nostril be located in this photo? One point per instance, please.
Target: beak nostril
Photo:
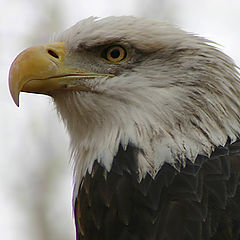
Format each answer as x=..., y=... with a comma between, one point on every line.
x=53, y=53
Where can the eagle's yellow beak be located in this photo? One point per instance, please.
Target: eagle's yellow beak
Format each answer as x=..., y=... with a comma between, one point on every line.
x=41, y=69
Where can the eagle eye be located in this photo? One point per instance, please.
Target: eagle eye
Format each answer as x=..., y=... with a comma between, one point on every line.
x=114, y=54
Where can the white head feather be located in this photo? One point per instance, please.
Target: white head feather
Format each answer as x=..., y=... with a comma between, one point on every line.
x=175, y=98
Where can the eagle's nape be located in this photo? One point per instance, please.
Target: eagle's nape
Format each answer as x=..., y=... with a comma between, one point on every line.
x=153, y=117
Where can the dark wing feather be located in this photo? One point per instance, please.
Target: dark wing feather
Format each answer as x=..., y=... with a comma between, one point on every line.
x=200, y=202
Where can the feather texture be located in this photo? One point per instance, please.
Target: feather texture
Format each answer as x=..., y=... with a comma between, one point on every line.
x=154, y=148
x=189, y=204
x=175, y=97
x=153, y=114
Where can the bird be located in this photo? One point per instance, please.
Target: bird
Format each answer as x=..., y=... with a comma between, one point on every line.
x=153, y=115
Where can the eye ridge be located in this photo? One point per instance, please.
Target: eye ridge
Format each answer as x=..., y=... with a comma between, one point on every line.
x=114, y=54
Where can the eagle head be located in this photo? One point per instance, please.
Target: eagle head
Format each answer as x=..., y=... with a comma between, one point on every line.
x=125, y=80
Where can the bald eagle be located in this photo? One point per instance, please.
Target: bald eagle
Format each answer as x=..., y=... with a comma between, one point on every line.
x=153, y=115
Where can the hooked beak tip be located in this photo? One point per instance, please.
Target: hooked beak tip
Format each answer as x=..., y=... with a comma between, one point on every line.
x=14, y=93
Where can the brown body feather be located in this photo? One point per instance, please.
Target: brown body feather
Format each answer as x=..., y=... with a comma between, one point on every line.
x=199, y=202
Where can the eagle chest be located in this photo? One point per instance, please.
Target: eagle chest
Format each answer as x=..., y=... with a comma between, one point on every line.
x=185, y=204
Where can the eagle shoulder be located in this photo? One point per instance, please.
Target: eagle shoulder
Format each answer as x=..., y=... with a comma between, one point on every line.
x=198, y=202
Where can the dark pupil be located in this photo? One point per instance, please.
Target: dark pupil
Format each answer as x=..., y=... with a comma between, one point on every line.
x=115, y=53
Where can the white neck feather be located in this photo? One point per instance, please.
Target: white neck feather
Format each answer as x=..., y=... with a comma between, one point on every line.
x=165, y=125
x=180, y=102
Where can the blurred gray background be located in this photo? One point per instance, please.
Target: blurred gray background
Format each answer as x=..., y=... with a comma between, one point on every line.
x=35, y=167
